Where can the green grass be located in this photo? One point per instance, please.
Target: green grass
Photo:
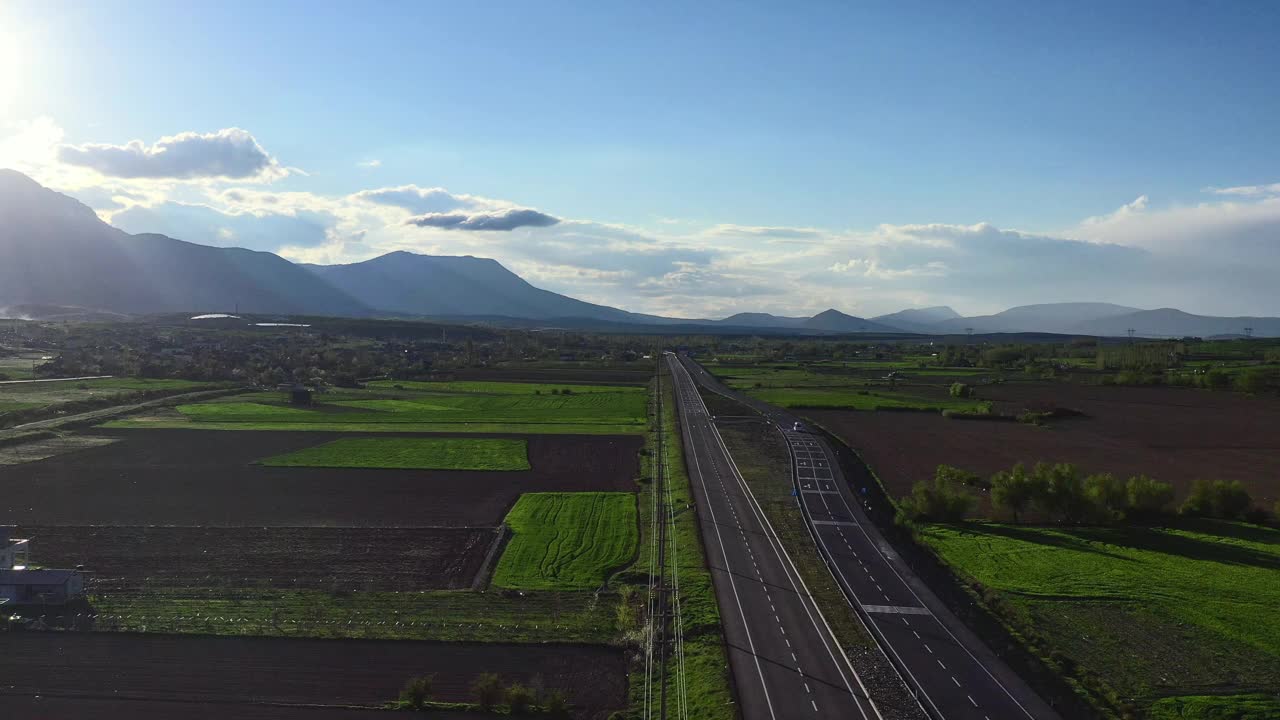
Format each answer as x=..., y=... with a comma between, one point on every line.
x=39, y=394
x=1216, y=707
x=567, y=541
x=1145, y=612
x=411, y=453
x=425, y=407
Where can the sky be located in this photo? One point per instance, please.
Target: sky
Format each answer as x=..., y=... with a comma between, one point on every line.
x=689, y=159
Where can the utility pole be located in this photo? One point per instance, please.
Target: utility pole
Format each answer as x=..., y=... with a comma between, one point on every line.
x=1248, y=332
x=1131, y=331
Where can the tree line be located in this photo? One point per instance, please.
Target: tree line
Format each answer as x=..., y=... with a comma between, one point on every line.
x=1060, y=492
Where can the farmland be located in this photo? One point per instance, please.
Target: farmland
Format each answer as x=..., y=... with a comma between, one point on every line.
x=411, y=454
x=459, y=406
x=142, y=558
x=248, y=673
x=850, y=386
x=567, y=541
x=1172, y=434
x=1143, y=612
x=188, y=477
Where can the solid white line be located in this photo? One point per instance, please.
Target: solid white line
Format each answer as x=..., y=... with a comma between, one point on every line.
x=783, y=556
x=724, y=554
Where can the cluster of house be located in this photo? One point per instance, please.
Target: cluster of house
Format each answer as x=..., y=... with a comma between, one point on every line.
x=21, y=585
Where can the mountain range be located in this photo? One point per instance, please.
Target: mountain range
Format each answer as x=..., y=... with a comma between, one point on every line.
x=56, y=253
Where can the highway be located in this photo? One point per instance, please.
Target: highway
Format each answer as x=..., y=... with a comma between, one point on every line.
x=784, y=659
x=952, y=673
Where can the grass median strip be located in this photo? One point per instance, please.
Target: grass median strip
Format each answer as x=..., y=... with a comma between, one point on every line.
x=567, y=541
x=411, y=454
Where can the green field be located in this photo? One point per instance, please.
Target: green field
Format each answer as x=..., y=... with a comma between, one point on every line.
x=1210, y=707
x=567, y=541
x=850, y=386
x=425, y=407
x=1141, y=613
x=848, y=399
x=411, y=454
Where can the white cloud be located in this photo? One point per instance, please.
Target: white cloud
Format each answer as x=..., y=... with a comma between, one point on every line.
x=228, y=154
x=870, y=267
x=1247, y=190
x=375, y=163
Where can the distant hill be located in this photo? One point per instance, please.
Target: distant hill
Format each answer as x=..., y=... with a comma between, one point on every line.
x=755, y=319
x=1051, y=317
x=429, y=285
x=917, y=319
x=54, y=250
x=1168, y=322
x=836, y=321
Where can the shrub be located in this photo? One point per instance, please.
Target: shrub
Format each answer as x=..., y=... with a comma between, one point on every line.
x=1223, y=499
x=961, y=390
x=1012, y=490
x=519, y=698
x=1217, y=380
x=487, y=690
x=939, y=502
x=1058, y=492
x=947, y=473
x=1146, y=497
x=417, y=691
x=1108, y=494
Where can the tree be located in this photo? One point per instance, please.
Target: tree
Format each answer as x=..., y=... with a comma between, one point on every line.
x=1146, y=497
x=487, y=690
x=937, y=502
x=1012, y=490
x=519, y=698
x=1108, y=494
x=961, y=390
x=417, y=691
x=949, y=474
x=1218, y=499
x=1059, y=493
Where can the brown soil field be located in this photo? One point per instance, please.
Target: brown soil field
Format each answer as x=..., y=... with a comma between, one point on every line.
x=248, y=673
x=207, y=478
x=1172, y=434
x=124, y=558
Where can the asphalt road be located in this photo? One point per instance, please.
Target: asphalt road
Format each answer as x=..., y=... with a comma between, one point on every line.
x=785, y=661
x=955, y=676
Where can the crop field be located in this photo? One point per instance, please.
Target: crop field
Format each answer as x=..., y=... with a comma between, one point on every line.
x=187, y=477
x=411, y=454
x=463, y=406
x=852, y=386
x=237, y=673
x=567, y=541
x=1176, y=435
x=1147, y=612
x=141, y=558
x=39, y=394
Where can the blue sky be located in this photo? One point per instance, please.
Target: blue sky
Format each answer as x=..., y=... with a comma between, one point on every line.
x=651, y=130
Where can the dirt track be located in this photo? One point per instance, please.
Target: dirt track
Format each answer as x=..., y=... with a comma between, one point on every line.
x=347, y=559
x=117, y=673
x=207, y=478
x=1172, y=434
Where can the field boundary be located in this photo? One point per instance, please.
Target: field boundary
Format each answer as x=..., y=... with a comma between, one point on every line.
x=485, y=574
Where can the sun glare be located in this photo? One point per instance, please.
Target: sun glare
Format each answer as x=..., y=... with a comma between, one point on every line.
x=11, y=60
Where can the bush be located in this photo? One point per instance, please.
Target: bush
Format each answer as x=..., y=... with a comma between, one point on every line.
x=1108, y=494
x=417, y=691
x=939, y=502
x=961, y=390
x=1223, y=499
x=1012, y=490
x=1146, y=497
x=1059, y=492
x=1217, y=380
x=519, y=698
x=487, y=690
x=947, y=473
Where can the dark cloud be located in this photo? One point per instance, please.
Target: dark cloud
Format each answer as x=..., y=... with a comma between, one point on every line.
x=415, y=199
x=498, y=220
x=229, y=153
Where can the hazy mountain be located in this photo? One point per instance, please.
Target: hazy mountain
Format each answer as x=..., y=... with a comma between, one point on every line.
x=835, y=321
x=756, y=319
x=1168, y=322
x=410, y=284
x=54, y=250
x=1052, y=317
x=918, y=319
